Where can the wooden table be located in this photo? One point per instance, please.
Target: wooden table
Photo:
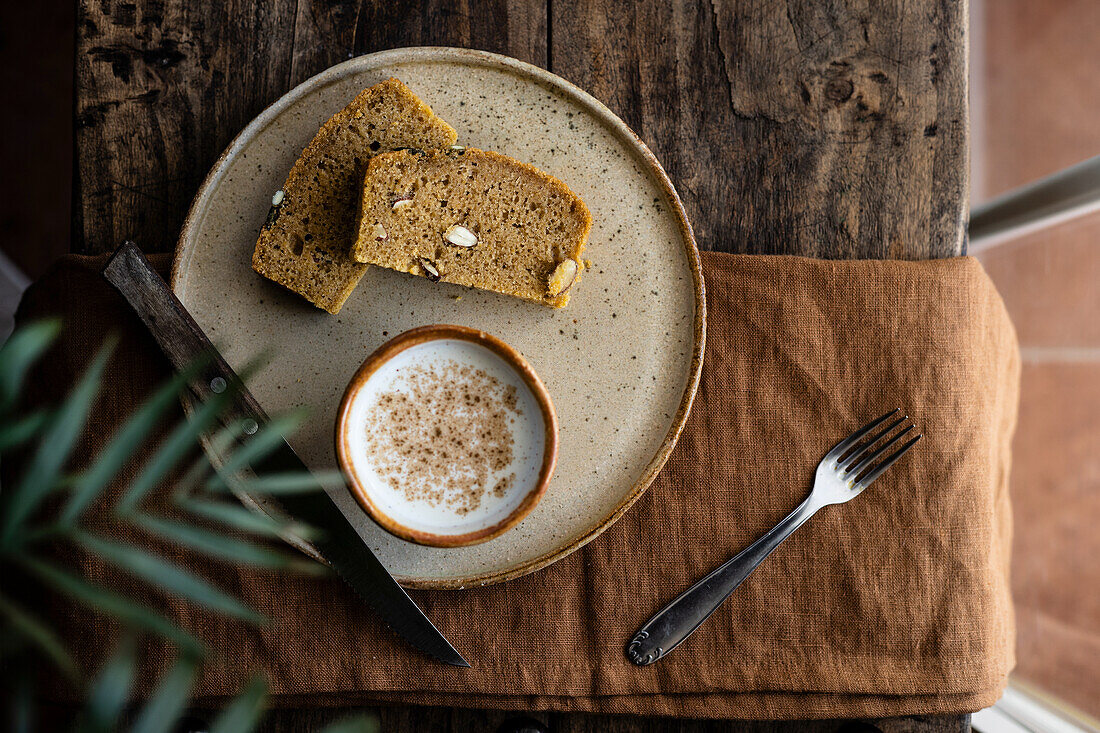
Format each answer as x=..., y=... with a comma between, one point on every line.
x=813, y=127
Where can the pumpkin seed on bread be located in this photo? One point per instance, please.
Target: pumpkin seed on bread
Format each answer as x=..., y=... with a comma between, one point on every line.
x=306, y=242
x=474, y=218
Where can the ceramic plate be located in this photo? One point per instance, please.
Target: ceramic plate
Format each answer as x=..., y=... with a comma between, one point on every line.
x=621, y=361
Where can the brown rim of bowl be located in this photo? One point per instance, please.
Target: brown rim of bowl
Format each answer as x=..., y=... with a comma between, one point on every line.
x=422, y=335
x=552, y=82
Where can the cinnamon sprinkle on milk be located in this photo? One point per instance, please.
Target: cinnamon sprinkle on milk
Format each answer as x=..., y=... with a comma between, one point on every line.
x=443, y=434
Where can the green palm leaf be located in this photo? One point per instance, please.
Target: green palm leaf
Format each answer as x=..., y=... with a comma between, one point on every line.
x=112, y=604
x=123, y=446
x=289, y=483
x=262, y=443
x=244, y=520
x=175, y=447
x=212, y=543
x=58, y=438
x=23, y=349
x=53, y=435
x=111, y=690
x=15, y=434
x=243, y=713
x=219, y=443
x=164, y=708
x=163, y=574
x=41, y=635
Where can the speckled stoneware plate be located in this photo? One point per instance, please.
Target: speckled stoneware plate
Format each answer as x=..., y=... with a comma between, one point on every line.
x=621, y=362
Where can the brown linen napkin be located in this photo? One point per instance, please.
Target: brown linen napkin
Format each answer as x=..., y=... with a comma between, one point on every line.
x=895, y=603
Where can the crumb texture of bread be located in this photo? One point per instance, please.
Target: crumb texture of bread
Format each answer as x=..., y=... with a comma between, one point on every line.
x=306, y=242
x=473, y=217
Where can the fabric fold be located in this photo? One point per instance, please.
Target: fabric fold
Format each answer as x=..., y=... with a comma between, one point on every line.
x=895, y=603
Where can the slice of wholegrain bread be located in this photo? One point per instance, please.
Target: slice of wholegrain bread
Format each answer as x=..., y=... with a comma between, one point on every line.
x=475, y=218
x=306, y=242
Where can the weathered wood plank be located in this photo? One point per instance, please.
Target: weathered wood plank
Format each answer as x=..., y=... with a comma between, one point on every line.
x=830, y=129
x=161, y=89
x=825, y=128
x=327, y=32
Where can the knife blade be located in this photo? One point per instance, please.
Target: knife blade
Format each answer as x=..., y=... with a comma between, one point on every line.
x=183, y=341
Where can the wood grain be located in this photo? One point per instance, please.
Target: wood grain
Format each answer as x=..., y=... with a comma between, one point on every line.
x=162, y=87
x=815, y=127
x=330, y=31
x=822, y=128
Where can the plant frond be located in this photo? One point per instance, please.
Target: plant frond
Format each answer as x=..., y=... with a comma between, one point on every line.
x=269, y=437
x=126, y=442
x=164, y=708
x=244, y=520
x=181, y=440
x=112, y=604
x=111, y=690
x=23, y=430
x=219, y=443
x=288, y=483
x=212, y=544
x=244, y=712
x=41, y=636
x=160, y=573
x=22, y=349
x=58, y=438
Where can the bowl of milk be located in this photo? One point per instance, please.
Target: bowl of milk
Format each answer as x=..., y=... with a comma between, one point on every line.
x=447, y=436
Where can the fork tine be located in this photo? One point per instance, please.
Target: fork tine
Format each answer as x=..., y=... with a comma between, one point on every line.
x=848, y=442
x=865, y=481
x=854, y=454
x=855, y=470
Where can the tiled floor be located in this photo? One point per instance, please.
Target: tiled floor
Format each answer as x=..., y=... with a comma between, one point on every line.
x=1036, y=92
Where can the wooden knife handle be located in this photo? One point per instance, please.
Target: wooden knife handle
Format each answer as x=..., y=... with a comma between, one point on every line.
x=180, y=337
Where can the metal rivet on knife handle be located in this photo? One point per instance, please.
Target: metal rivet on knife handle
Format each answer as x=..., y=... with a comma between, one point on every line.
x=182, y=340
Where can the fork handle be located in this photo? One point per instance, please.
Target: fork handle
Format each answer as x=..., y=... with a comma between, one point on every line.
x=676, y=621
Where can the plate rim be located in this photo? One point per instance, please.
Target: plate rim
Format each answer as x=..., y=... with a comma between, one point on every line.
x=548, y=79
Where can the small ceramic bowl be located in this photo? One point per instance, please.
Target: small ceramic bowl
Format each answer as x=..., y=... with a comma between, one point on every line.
x=451, y=509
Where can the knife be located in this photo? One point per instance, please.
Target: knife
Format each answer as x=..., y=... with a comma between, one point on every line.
x=183, y=341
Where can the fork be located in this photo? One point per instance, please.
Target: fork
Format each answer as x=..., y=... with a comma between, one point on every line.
x=842, y=475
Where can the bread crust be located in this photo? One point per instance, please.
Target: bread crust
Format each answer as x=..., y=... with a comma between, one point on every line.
x=526, y=222
x=305, y=244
